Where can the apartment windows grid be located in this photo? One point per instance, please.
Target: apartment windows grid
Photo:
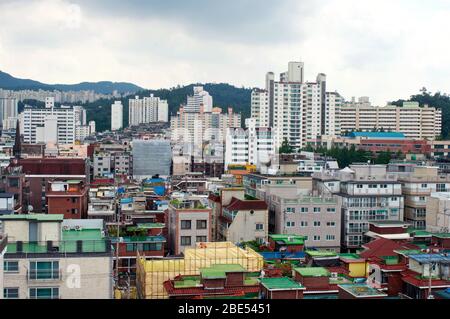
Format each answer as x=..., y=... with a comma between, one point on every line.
x=44, y=293
x=201, y=239
x=44, y=270
x=11, y=266
x=11, y=293
x=201, y=224
x=186, y=240
x=185, y=224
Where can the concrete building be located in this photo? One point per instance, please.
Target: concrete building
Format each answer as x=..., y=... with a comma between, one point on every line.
x=8, y=109
x=331, y=123
x=48, y=258
x=438, y=212
x=147, y=110
x=417, y=187
x=102, y=164
x=201, y=101
x=48, y=125
x=116, y=116
x=153, y=157
x=368, y=193
x=412, y=120
x=297, y=110
x=253, y=145
x=244, y=220
x=318, y=219
x=189, y=224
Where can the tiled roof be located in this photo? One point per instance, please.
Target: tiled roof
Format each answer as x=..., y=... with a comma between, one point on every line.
x=199, y=291
x=383, y=247
x=237, y=204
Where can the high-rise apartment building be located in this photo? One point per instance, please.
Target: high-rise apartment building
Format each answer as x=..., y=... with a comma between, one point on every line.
x=200, y=101
x=297, y=110
x=8, y=109
x=48, y=125
x=253, y=145
x=412, y=120
x=116, y=116
x=147, y=110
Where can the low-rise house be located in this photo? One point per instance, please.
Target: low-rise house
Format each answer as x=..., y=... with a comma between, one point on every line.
x=244, y=220
x=359, y=291
x=289, y=243
x=280, y=288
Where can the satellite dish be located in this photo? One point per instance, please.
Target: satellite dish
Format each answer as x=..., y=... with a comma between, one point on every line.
x=30, y=208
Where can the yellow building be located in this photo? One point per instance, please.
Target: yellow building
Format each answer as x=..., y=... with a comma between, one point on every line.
x=356, y=265
x=151, y=274
x=238, y=171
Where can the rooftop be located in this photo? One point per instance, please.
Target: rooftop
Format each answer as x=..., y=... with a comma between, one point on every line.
x=35, y=217
x=320, y=253
x=219, y=271
x=282, y=283
x=354, y=257
x=431, y=258
x=361, y=290
x=378, y=135
x=289, y=239
x=313, y=271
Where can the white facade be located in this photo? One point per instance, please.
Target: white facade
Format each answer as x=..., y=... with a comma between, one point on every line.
x=295, y=109
x=253, y=145
x=116, y=116
x=438, y=213
x=147, y=110
x=48, y=125
x=91, y=127
x=331, y=117
x=201, y=100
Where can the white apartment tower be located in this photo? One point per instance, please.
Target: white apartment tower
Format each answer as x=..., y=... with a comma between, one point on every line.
x=294, y=108
x=147, y=110
x=253, y=145
x=116, y=116
x=8, y=109
x=201, y=100
x=48, y=125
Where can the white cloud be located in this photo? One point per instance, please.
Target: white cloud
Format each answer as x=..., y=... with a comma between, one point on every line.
x=382, y=49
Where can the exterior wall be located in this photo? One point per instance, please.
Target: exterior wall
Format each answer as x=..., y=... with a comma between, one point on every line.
x=95, y=280
x=49, y=231
x=313, y=283
x=2, y=253
x=64, y=205
x=243, y=227
x=437, y=216
x=282, y=294
x=357, y=270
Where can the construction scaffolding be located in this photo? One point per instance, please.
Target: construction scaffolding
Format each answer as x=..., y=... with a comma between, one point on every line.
x=151, y=274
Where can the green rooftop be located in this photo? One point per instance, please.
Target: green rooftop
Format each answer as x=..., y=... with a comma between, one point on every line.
x=36, y=217
x=407, y=252
x=188, y=282
x=313, y=271
x=419, y=233
x=219, y=271
x=362, y=290
x=150, y=225
x=320, y=253
x=289, y=239
x=350, y=256
x=441, y=235
x=282, y=283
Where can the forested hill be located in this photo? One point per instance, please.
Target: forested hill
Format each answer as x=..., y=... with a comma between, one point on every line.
x=438, y=100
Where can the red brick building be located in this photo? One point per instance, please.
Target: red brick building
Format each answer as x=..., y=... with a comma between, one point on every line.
x=69, y=198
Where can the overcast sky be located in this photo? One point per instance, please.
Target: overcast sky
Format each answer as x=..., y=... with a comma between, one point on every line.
x=385, y=49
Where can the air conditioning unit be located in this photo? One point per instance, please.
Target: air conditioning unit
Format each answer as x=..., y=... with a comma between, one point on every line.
x=66, y=228
x=334, y=275
x=78, y=228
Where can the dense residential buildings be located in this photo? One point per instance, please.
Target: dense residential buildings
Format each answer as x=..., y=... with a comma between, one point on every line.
x=147, y=110
x=368, y=193
x=412, y=120
x=116, y=116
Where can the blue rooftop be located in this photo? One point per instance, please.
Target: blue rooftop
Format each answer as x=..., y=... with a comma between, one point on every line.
x=378, y=135
x=126, y=200
x=428, y=258
x=278, y=255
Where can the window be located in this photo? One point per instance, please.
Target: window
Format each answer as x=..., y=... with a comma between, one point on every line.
x=303, y=224
x=359, y=186
x=331, y=210
x=290, y=210
x=316, y=224
x=394, y=199
x=185, y=240
x=201, y=224
x=13, y=182
x=74, y=211
x=185, y=224
x=44, y=293
x=74, y=200
x=44, y=270
x=259, y=226
x=373, y=186
x=290, y=224
x=151, y=247
x=316, y=209
x=11, y=293
x=422, y=198
x=11, y=266
x=304, y=209
x=424, y=185
x=316, y=238
x=131, y=247
x=331, y=224
x=330, y=237
x=201, y=239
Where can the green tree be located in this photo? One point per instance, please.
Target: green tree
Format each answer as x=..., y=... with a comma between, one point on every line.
x=285, y=148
